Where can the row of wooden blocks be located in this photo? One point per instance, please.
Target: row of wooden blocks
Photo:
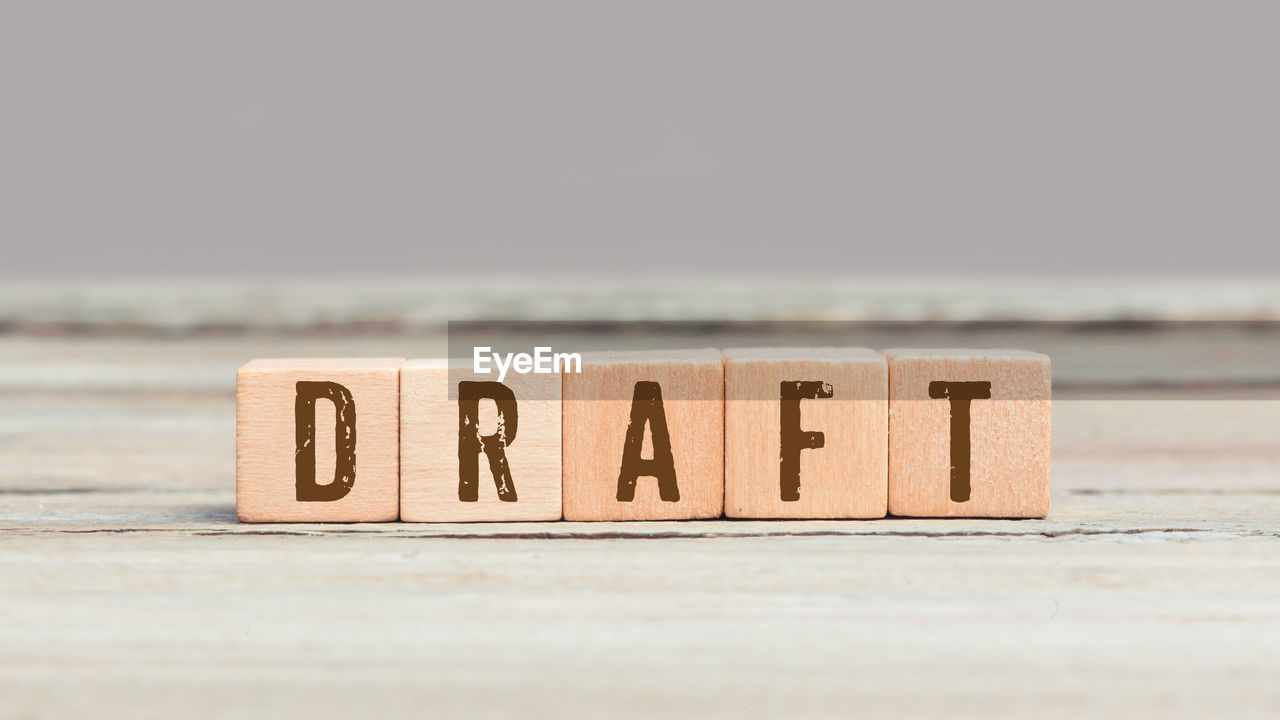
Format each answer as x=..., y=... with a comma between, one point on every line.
x=659, y=435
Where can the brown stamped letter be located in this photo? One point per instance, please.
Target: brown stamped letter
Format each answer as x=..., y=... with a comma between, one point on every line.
x=304, y=418
x=471, y=443
x=959, y=394
x=793, y=438
x=646, y=408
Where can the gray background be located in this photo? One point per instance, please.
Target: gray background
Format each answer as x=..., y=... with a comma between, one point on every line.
x=144, y=137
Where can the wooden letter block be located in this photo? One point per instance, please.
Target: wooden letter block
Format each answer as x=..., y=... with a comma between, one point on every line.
x=318, y=440
x=968, y=433
x=806, y=433
x=644, y=436
x=474, y=449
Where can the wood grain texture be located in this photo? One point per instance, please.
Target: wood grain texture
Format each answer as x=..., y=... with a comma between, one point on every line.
x=845, y=478
x=1009, y=458
x=129, y=590
x=429, y=460
x=266, y=441
x=426, y=302
x=1116, y=605
x=597, y=411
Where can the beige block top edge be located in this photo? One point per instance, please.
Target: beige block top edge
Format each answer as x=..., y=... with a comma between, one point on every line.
x=681, y=355
x=802, y=354
x=963, y=354
x=345, y=363
x=436, y=363
x=625, y=357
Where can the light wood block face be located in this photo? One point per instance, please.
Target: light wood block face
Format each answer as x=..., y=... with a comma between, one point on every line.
x=1004, y=472
x=806, y=433
x=611, y=412
x=317, y=440
x=475, y=450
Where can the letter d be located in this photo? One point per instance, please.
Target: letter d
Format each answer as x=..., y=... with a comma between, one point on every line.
x=304, y=418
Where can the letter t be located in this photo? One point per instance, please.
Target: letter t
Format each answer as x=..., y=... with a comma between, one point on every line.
x=959, y=394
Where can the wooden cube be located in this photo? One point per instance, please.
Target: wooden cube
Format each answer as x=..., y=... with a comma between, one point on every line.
x=317, y=440
x=806, y=433
x=968, y=433
x=475, y=449
x=644, y=436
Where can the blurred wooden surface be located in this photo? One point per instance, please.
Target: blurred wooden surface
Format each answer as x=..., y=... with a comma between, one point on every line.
x=128, y=589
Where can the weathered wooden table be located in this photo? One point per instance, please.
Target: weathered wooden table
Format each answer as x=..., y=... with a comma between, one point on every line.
x=128, y=589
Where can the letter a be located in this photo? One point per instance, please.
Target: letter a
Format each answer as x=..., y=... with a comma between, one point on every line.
x=646, y=408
